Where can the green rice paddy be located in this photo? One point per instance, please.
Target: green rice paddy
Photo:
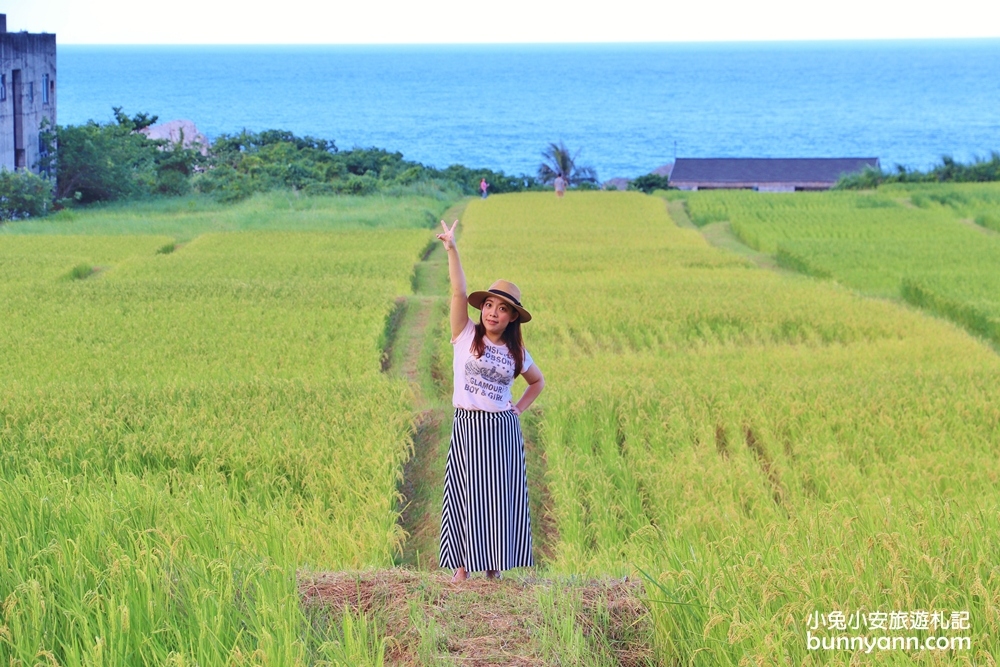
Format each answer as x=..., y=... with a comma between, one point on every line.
x=193, y=414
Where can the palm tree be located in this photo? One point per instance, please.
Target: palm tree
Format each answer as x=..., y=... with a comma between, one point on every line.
x=559, y=162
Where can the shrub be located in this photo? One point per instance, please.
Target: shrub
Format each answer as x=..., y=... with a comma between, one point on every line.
x=358, y=185
x=80, y=272
x=227, y=184
x=649, y=183
x=867, y=179
x=23, y=195
x=467, y=179
x=104, y=162
x=249, y=162
x=977, y=171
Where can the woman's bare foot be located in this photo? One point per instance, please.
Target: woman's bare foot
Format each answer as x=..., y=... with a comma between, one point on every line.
x=461, y=574
x=493, y=574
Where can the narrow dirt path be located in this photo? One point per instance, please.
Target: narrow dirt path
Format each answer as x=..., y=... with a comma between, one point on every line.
x=721, y=235
x=416, y=355
x=521, y=620
x=969, y=222
x=419, y=354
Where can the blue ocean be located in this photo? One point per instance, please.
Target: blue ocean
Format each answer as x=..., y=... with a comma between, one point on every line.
x=626, y=108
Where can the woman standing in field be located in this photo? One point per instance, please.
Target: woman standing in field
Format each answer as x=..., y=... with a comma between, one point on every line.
x=560, y=185
x=485, y=524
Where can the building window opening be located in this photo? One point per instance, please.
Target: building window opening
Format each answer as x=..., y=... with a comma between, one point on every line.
x=45, y=89
x=3, y=87
x=43, y=154
x=31, y=91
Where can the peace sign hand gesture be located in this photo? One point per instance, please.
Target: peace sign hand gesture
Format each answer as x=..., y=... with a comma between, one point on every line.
x=448, y=236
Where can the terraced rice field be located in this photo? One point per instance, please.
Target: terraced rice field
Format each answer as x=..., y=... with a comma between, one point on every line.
x=184, y=430
x=936, y=245
x=761, y=445
x=194, y=417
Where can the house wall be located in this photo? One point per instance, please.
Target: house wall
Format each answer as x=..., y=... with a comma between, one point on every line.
x=35, y=56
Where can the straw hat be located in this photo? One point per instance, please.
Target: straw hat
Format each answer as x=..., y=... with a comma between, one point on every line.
x=505, y=291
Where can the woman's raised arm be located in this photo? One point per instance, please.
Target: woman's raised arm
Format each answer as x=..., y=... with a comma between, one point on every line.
x=459, y=293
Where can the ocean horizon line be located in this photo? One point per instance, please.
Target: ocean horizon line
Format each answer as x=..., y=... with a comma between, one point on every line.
x=887, y=41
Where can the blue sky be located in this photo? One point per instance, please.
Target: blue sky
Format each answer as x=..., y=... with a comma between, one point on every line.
x=511, y=21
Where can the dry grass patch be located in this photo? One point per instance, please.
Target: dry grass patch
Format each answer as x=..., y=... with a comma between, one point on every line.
x=520, y=620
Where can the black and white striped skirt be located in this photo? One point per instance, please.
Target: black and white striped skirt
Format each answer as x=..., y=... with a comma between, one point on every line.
x=485, y=524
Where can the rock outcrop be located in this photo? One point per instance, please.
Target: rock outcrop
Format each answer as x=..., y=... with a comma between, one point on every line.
x=617, y=183
x=664, y=170
x=179, y=130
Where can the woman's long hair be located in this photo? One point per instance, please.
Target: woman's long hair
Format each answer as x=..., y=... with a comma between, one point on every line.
x=511, y=338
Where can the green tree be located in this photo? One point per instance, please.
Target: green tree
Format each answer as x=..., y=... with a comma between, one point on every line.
x=108, y=161
x=649, y=183
x=102, y=162
x=557, y=160
x=139, y=121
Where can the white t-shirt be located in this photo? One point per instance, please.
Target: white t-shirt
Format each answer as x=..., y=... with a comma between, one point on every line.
x=483, y=383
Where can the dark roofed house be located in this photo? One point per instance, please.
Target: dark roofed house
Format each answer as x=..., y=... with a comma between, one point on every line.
x=765, y=174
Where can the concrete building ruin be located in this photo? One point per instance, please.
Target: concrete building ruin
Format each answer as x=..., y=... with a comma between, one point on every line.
x=27, y=95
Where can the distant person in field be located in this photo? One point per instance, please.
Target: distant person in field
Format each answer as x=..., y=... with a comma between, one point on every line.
x=485, y=523
x=560, y=185
x=483, y=187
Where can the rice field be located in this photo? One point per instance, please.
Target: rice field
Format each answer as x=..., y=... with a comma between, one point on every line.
x=763, y=446
x=183, y=427
x=193, y=412
x=184, y=218
x=934, y=245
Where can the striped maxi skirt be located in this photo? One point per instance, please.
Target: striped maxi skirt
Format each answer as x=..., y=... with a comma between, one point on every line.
x=485, y=524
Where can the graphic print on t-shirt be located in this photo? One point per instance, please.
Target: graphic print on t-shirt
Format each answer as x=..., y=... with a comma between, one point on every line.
x=483, y=383
x=490, y=375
